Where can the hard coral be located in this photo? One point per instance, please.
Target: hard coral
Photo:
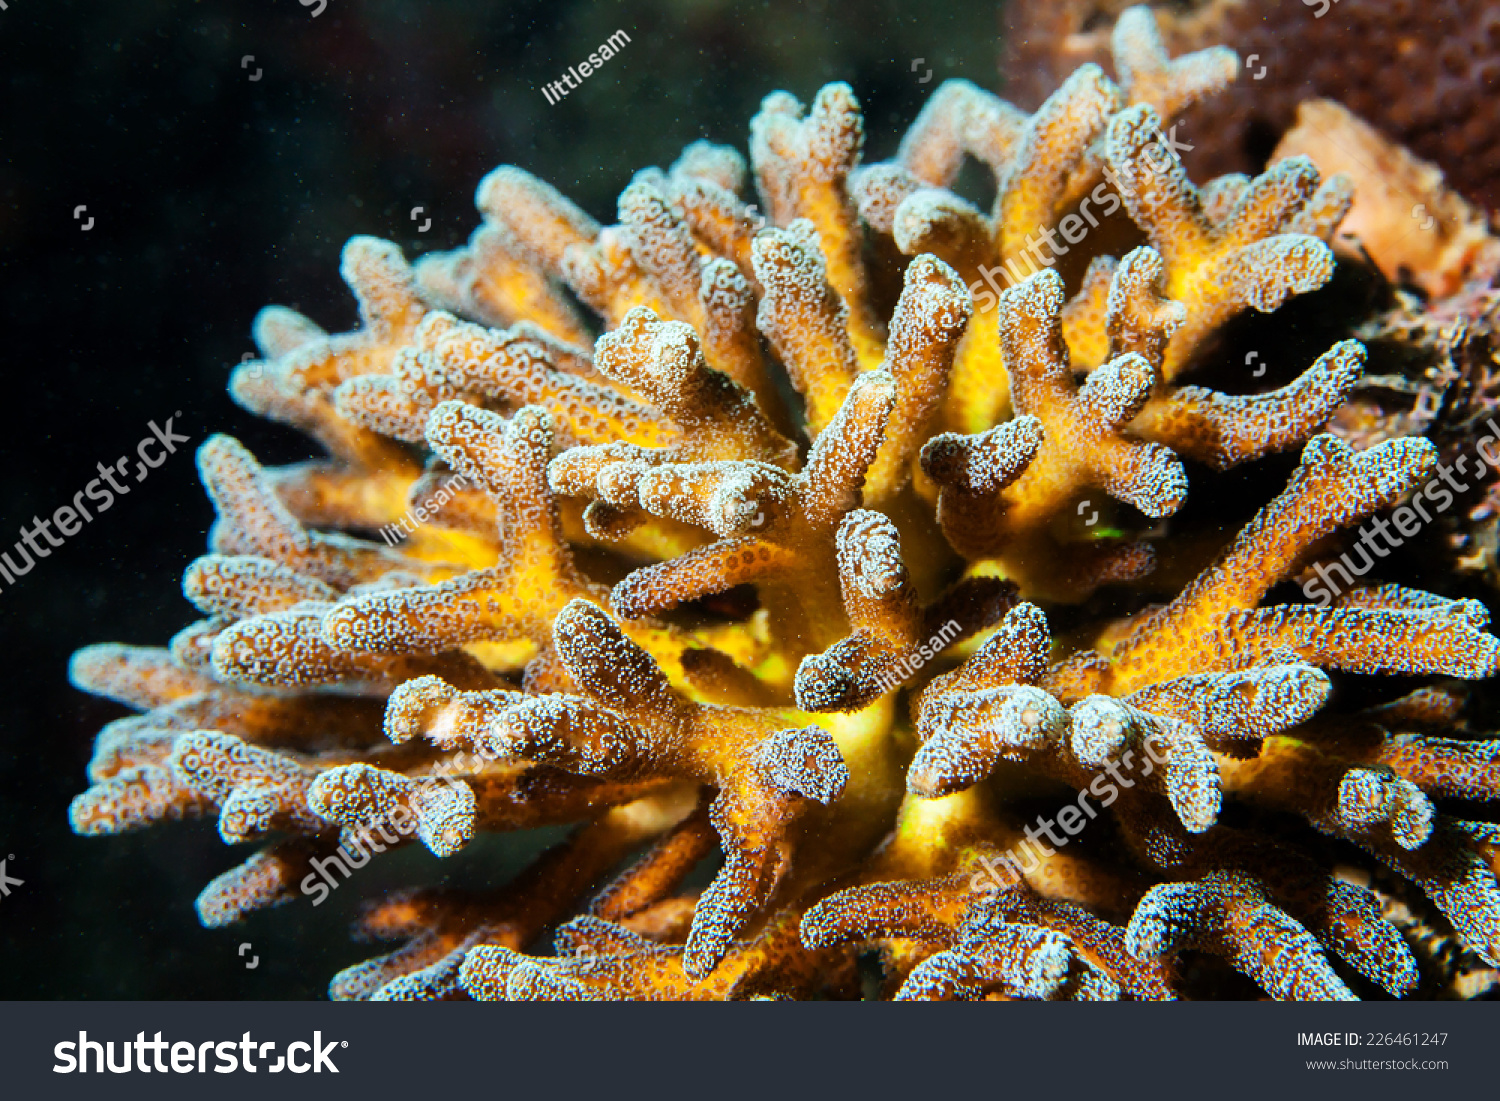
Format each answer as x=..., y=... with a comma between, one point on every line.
x=569, y=634
x=1423, y=73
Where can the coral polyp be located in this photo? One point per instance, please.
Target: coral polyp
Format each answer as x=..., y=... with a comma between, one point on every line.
x=753, y=546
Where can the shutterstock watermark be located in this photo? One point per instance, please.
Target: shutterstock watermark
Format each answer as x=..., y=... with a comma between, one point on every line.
x=8, y=881
x=70, y=519
x=185, y=1057
x=1008, y=870
x=1159, y=156
x=1323, y=6
x=359, y=845
x=1338, y=576
x=362, y=841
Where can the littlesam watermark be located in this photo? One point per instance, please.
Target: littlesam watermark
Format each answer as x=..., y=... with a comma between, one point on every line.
x=395, y=532
x=906, y=667
x=576, y=74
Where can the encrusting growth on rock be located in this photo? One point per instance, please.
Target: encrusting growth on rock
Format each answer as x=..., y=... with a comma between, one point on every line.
x=766, y=576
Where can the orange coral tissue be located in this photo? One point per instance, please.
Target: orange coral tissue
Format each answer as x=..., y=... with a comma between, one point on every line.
x=762, y=574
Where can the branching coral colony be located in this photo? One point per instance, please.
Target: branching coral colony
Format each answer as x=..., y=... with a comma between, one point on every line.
x=558, y=642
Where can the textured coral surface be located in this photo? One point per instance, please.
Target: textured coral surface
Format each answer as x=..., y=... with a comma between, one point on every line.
x=752, y=546
x=1424, y=72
